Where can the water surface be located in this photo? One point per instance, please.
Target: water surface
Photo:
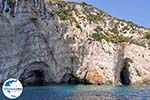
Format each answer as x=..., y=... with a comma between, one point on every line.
x=83, y=92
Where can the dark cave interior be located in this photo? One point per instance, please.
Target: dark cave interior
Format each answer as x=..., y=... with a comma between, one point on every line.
x=33, y=77
x=124, y=76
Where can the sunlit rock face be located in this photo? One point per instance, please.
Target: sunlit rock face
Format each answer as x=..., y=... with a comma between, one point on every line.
x=41, y=44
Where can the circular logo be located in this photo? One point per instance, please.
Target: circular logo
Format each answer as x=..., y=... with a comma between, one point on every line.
x=12, y=88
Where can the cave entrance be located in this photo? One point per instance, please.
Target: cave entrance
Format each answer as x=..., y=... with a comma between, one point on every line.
x=39, y=77
x=69, y=78
x=35, y=74
x=33, y=77
x=124, y=75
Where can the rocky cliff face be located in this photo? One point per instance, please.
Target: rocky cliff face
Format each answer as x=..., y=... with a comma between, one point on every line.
x=70, y=42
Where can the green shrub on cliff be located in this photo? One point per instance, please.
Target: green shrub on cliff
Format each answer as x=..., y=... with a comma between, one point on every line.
x=115, y=38
x=94, y=18
x=98, y=36
x=138, y=42
x=115, y=30
x=110, y=37
x=122, y=38
x=147, y=35
x=64, y=14
x=83, y=4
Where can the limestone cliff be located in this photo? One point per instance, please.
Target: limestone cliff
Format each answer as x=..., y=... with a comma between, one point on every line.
x=70, y=42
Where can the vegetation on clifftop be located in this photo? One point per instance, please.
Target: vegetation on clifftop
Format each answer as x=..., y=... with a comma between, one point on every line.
x=109, y=37
x=120, y=31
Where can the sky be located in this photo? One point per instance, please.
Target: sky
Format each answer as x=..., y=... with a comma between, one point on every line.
x=137, y=11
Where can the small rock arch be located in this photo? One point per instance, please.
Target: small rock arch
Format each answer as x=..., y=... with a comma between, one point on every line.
x=69, y=78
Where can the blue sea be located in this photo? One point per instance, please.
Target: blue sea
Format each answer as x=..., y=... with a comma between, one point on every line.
x=83, y=92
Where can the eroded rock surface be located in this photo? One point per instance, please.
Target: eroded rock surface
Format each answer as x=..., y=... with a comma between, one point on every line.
x=38, y=46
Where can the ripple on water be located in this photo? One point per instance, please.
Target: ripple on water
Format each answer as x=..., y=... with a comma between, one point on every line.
x=84, y=92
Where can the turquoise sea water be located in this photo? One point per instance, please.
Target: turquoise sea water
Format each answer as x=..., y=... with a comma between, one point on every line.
x=83, y=92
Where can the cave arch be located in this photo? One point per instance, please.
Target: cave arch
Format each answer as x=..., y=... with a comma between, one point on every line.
x=69, y=78
x=124, y=73
x=35, y=73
